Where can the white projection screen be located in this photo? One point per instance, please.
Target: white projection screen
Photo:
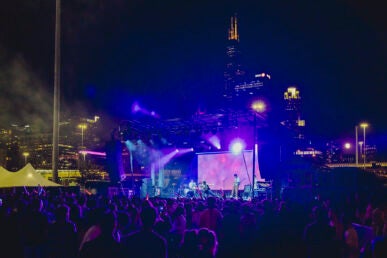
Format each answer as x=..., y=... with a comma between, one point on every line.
x=218, y=169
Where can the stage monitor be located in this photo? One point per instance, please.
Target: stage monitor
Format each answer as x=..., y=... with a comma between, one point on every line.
x=218, y=169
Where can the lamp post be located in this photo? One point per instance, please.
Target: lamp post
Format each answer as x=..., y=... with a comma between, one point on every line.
x=25, y=154
x=56, y=107
x=361, y=148
x=356, y=147
x=258, y=107
x=364, y=126
x=83, y=127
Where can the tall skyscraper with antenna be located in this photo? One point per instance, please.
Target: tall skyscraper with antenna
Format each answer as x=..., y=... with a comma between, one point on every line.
x=233, y=73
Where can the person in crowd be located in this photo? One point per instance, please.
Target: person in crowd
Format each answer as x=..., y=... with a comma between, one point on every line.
x=10, y=212
x=351, y=239
x=188, y=206
x=319, y=236
x=211, y=217
x=267, y=225
x=377, y=221
x=177, y=231
x=198, y=209
x=105, y=244
x=33, y=228
x=379, y=243
x=229, y=236
x=62, y=235
x=145, y=243
x=207, y=242
x=189, y=245
x=93, y=230
x=336, y=223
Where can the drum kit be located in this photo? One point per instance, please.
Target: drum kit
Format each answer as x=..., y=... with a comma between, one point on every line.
x=191, y=190
x=194, y=190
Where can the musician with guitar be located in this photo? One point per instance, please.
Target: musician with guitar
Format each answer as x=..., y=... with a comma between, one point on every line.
x=207, y=190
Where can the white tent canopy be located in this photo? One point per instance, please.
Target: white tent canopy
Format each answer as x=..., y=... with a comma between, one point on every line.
x=27, y=176
x=4, y=173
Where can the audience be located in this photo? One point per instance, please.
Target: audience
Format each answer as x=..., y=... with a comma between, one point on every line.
x=93, y=225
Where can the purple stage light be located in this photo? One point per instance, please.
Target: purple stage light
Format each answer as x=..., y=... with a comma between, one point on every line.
x=182, y=151
x=135, y=107
x=154, y=114
x=168, y=157
x=215, y=141
x=131, y=146
x=237, y=146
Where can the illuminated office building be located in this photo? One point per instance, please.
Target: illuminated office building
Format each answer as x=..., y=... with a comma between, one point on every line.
x=292, y=110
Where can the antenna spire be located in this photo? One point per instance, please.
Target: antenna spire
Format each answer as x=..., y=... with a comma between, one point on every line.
x=233, y=30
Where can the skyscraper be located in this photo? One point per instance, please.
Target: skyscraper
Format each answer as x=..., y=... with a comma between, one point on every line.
x=292, y=110
x=233, y=74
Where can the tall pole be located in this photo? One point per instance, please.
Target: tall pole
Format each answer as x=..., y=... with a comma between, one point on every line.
x=364, y=146
x=257, y=106
x=55, y=133
x=254, y=151
x=82, y=134
x=356, y=147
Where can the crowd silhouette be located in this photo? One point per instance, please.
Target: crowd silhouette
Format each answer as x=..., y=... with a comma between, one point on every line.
x=56, y=224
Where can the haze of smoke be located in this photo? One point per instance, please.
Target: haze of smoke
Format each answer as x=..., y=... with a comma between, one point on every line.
x=23, y=99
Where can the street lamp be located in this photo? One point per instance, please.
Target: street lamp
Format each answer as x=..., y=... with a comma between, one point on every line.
x=364, y=126
x=25, y=154
x=357, y=147
x=347, y=153
x=83, y=127
x=361, y=147
x=258, y=107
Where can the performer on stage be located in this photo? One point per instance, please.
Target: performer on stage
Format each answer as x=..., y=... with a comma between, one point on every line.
x=207, y=190
x=192, y=185
x=235, y=187
x=192, y=189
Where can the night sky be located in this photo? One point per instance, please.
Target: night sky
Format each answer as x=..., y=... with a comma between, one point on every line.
x=169, y=56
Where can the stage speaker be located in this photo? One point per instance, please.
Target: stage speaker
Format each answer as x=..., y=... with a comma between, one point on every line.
x=246, y=191
x=114, y=164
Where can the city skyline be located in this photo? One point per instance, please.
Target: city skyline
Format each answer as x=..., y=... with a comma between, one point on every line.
x=170, y=57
